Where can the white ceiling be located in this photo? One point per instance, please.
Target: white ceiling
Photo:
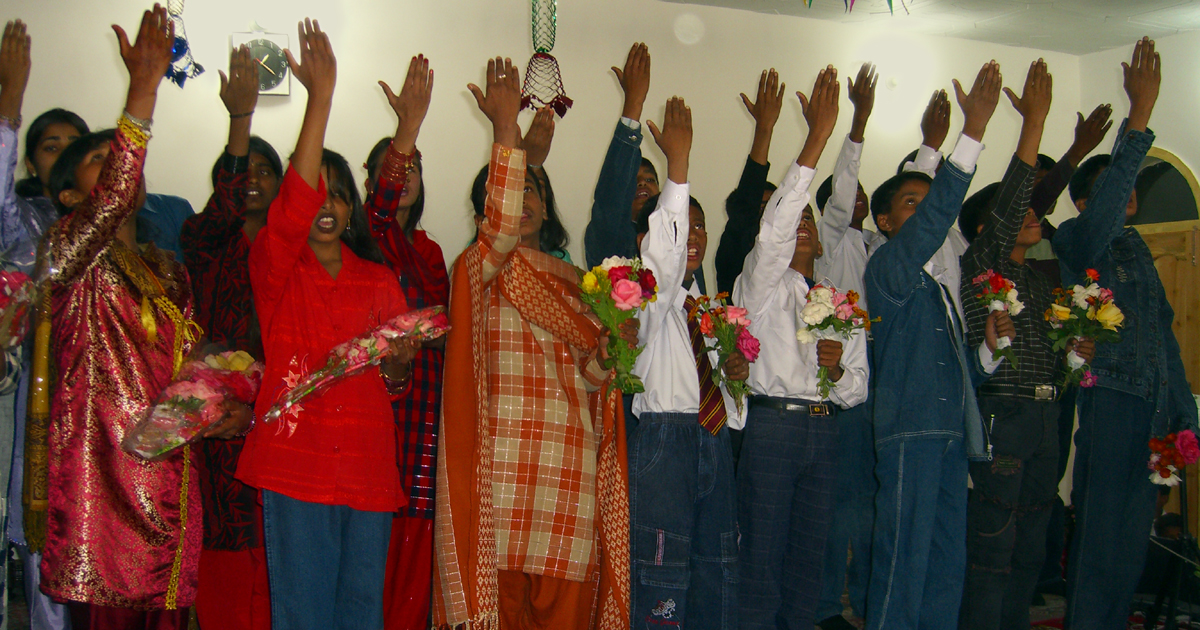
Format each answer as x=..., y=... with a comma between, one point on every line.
x=1071, y=26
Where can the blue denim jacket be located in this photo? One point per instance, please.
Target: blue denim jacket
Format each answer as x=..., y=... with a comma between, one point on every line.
x=1146, y=361
x=610, y=232
x=919, y=386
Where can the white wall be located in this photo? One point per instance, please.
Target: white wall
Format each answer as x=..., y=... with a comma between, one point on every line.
x=1174, y=121
x=76, y=66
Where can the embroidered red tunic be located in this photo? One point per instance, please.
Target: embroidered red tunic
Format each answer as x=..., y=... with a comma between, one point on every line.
x=344, y=448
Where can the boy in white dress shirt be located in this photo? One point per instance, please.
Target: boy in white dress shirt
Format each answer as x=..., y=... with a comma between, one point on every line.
x=683, y=531
x=788, y=467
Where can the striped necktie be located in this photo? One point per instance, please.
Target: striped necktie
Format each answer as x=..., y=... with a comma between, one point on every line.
x=712, y=406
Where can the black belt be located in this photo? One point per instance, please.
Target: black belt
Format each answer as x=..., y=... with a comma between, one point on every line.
x=787, y=404
x=1040, y=393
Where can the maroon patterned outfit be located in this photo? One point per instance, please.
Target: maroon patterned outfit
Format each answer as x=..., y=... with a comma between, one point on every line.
x=422, y=273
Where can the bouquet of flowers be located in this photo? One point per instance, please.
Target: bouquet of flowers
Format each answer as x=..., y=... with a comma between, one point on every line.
x=17, y=294
x=830, y=315
x=194, y=402
x=1083, y=311
x=998, y=293
x=728, y=326
x=615, y=290
x=353, y=357
x=1170, y=454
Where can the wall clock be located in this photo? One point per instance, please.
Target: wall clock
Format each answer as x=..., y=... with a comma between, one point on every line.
x=267, y=51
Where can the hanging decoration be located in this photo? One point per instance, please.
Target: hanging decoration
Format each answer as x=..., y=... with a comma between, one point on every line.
x=183, y=66
x=543, y=80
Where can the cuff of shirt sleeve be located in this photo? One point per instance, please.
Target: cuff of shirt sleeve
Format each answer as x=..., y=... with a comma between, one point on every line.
x=927, y=159
x=672, y=191
x=235, y=163
x=631, y=123
x=966, y=153
x=989, y=364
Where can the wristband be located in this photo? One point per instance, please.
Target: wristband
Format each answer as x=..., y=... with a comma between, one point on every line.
x=242, y=115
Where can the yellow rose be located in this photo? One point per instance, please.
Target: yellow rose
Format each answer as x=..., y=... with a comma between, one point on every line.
x=590, y=283
x=216, y=362
x=239, y=361
x=1060, y=312
x=1110, y=316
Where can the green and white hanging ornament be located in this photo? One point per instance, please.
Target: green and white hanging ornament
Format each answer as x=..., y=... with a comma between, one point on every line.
x=543, y=80
x=183, y=66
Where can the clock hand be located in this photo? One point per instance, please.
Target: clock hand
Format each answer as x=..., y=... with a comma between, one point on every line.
x=265, y=67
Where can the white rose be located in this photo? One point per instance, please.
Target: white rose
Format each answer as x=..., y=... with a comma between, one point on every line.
x=1015, y=306
x=821, y=295
x=615, y=261
x=805, y=336
x=815, y=312
x=1079, y=297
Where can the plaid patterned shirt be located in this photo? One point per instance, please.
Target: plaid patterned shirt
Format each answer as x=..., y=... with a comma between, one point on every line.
x=544, y=456
x=1038, y=364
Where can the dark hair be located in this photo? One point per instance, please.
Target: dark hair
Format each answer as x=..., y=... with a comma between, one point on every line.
x=1085, y=176
x=768, y=188
x=261, y=147
x=643, y=222
x=646, y=163
x=1045, y=162
x=553, y=236
x=375, y=160
x=32, y=186
x=911, y=157
x=824, y=192
x=975, y=211
x=881, y=199
x=342, y=185
x=62, y=176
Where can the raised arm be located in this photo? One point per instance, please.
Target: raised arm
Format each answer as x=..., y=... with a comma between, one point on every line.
x=95, y=220
x=279, y=245
x=776, y=242
x=14, y=76
x=838, y=213
x=1088, y=134
x=204, y=234
x=935, y=126
x=500, y=101
x=610, y=231
x=1080, y=242
x=410, y=107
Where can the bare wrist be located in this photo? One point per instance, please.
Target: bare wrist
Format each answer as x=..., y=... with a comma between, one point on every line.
x=632, y=110
x=677, y=170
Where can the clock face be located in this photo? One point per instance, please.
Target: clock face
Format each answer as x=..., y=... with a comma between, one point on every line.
x=271, y=62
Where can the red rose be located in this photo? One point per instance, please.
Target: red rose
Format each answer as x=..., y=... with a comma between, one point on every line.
x=1093, y=275
x=618, y=273
x=647, y=281
x=996, y=282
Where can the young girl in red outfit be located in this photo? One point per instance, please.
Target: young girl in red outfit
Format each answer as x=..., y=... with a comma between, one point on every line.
x=329, y=479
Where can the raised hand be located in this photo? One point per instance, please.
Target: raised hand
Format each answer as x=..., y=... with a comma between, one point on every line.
x=502, y=101
x=239, y=89
x=1089, y=132
x=979, y=105
x=1143, y=75
x=635, y=80
x=14, y=69
x=820, y=112
x=675, y=138
x=146, y=60
x=317, y=68
x=412, y=104
x=862, y=96
x=1034, y=103
x=935, y=122
x=536, y=142
x=769, y=101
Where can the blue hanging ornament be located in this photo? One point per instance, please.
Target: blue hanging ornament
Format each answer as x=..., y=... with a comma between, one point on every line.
x=183, y=66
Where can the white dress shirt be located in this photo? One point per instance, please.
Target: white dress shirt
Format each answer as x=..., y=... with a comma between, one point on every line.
x=667, y=365
x=845, y=249
x=774, y=294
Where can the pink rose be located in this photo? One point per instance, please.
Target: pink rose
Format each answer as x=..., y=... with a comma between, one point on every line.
x=844, y=311
x=1105, y=295
x=626, y=293
x=839, y=299
x=1089, y=379
x=1186, y=444
x=381, y=343
x=747, y=345
x=737, y=315
x=616, y=274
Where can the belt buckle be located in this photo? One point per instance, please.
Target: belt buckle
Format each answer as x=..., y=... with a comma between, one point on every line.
x=818, y=410
x=1043, y=392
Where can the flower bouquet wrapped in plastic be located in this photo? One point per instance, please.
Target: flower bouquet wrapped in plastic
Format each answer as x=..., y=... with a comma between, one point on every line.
x=615, y=290
x=729, y=327
x=830, y=315
x=998, y=293
x=1083, y=311
x=195, y=401
x=353, y=357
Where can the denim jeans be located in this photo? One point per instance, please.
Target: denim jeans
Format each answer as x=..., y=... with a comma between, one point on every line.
x=853, y=516
x=918, y=553
x=1008, y=511
x=1114, y=508
x=325, y=564
x=683, y=538
x=785, y=499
